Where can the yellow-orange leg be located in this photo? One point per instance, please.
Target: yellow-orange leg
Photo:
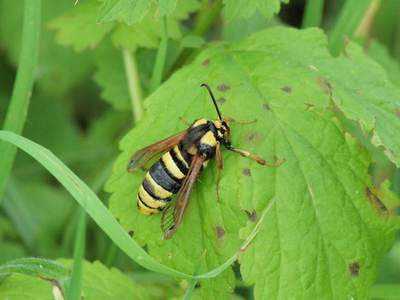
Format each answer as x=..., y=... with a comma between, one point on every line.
x=241, y=122
x=257, y=158
x=218, y=158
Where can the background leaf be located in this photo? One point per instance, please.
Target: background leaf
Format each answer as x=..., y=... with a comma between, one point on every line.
x=98, y=282
x=242, y=9
x=79, y=28
x=54, y=61
x=111, y=77
x=129, y=11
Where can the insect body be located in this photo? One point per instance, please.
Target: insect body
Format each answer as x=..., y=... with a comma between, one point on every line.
x=166, y=176
x=184, y=156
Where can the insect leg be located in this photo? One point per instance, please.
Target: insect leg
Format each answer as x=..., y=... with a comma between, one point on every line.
x=257, y=158
x=241, y=122
x=218, y=157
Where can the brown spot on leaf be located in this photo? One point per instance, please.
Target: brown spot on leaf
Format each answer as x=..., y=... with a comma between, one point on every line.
x=376, y=202
x=223, y=87
x=397, y=112
x=253, y=137
x=246, y=172
x=221, y=100
x=206, y=62
x=266, y=106
x=354, y=269
x=220, y=231
x=251, y=215
x=286, y=89
x=326, y=85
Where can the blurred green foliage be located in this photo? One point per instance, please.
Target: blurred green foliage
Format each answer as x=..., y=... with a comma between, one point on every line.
x=82, y=105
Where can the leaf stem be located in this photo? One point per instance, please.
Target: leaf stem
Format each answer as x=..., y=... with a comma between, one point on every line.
x=22, y=90
x=159, y=65
x=313, y=13
x=132, y=77
x=346, y=24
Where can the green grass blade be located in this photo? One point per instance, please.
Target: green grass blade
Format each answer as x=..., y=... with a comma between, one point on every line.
x=74, y=287
x=19, y=104
x=100, y=214
x=347, y=22
x=313, y=13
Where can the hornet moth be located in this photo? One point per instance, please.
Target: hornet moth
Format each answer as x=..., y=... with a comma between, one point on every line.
x=183, y=157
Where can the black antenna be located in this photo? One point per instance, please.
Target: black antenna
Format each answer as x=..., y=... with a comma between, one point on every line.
x=213, y=99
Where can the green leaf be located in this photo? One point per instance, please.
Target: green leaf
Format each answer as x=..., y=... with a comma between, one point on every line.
x=60, y=68
x=98, y=282
x=192, y=41
x=378, y=114
x=133, y=11
x=243, y=9
x=111, y=77
x=78, y=28
x=23, y=287
x=239, y=29
x=129, y=11
x=325, y=225
x=166, y=7
x=147, y=33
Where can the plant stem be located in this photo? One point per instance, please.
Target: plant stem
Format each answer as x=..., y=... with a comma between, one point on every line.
x=313, y=13
x=132, y=77
x=112, y=252
x=159, y=65
x=22, y=90
x=349, y=18
x=206, y=17
x=366, y=23
x=74, y=287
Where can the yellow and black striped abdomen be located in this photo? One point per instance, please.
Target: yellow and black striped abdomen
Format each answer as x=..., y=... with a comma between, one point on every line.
x=163, y=180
